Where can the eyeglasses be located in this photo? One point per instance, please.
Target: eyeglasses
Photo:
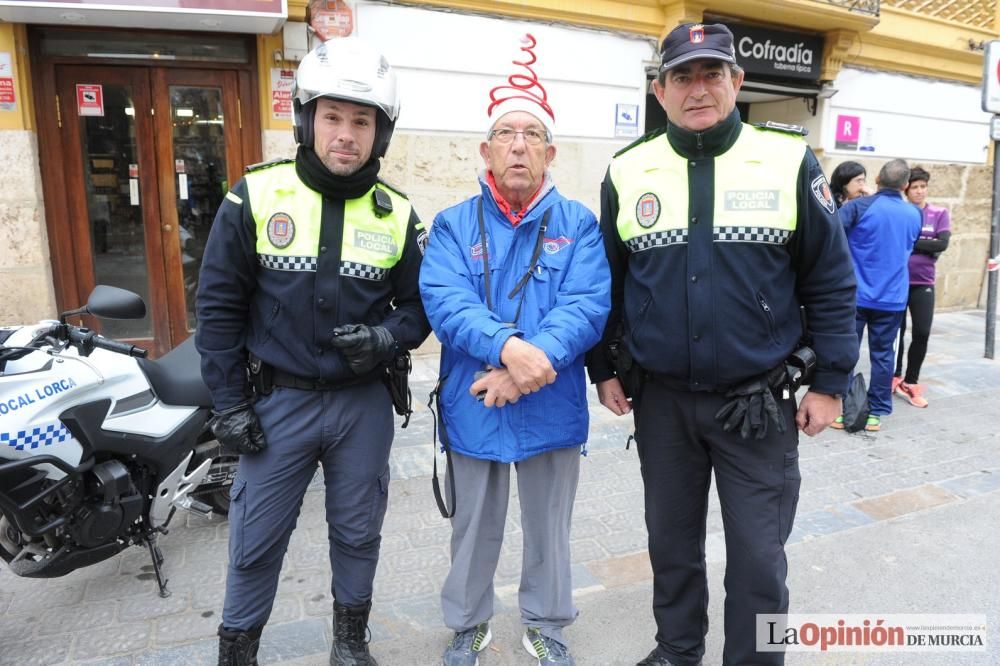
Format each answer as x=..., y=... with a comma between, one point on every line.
x=532, y=137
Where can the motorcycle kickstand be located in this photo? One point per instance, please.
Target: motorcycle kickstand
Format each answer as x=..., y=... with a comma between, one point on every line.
x=157, y=557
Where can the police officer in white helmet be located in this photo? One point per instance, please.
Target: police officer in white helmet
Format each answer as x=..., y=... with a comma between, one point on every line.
x=308, y=292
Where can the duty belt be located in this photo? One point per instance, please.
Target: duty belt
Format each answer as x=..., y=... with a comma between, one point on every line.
x=287, y=380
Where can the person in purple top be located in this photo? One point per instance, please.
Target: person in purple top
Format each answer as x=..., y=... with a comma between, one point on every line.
x=934, y=236
x=881, y=230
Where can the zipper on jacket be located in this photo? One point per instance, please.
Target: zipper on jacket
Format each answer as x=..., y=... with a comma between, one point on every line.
x=768, y=313
x=700, y=145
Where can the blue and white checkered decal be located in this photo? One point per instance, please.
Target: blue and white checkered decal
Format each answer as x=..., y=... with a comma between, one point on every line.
x=54, y=433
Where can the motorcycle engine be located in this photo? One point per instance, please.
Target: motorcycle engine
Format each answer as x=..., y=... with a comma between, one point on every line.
x=112, y=506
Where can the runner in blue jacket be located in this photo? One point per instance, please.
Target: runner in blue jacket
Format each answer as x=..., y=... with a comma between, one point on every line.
x=516, y=286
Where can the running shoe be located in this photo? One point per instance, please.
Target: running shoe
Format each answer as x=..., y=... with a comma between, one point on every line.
x=912, y=393
x=464, y=648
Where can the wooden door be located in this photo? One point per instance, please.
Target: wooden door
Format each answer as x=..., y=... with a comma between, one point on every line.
x=148, y=156
x=112, y=210
x=199, y=155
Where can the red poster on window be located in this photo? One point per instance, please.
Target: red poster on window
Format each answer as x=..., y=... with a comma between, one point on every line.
x=7, y=95
x=89, y=99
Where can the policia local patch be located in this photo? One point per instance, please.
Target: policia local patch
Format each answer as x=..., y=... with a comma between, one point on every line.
x=280, y=230
x=647, y=210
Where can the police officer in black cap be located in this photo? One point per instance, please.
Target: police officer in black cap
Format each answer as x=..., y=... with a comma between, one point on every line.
x=717, y=233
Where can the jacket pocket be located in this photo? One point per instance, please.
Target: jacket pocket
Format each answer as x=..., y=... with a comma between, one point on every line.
x=635, y=323
x=269, y=324
x=380, y=501
x=772, y=328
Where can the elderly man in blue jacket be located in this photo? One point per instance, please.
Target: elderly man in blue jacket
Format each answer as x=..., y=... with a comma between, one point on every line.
x=516, y=286
x=881, y=230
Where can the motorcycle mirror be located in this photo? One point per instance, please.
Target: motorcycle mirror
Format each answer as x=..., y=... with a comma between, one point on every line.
x=111, y=303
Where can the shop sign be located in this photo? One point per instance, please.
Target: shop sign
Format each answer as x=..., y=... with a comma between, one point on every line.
x=991, y=77
x=282, y=82
x=626, y=120
x=777, y=53
x=260, y=16
x=848, y=132
x=213, y=6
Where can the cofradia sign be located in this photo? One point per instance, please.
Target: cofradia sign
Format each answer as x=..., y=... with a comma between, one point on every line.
x=778, y=54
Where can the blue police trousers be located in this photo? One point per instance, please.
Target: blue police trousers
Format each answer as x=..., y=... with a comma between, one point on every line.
x=680, y=444
x=349, y=432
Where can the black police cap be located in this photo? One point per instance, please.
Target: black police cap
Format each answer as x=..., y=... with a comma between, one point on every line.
x=694, y=41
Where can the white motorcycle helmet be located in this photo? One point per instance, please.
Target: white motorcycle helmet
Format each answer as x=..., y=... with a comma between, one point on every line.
x=349, y=69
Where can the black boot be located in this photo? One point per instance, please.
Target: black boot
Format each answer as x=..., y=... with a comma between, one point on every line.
x=350, y=643
x=238, y=648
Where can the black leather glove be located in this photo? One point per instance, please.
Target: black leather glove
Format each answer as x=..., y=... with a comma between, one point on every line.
x=751, y=407
x=238, y=430
x=364, y=346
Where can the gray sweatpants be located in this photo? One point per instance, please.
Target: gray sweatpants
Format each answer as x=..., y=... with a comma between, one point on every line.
x=546, y=485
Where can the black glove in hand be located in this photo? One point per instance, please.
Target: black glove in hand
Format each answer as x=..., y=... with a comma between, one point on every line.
x=751, y=407
x=364, y=346
x=238, y=430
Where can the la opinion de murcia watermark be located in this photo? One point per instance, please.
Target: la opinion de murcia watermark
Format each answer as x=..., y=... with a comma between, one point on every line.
x=871, y=633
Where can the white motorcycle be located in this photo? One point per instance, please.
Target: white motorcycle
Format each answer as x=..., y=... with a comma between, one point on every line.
x=99, y=446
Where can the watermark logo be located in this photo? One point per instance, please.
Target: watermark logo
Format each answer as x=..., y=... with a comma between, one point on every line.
x=871, y=633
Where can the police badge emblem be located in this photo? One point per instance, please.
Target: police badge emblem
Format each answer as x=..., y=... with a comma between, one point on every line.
x=696, y=34
x=647, y=210
x=280, y=230
x=821, y=190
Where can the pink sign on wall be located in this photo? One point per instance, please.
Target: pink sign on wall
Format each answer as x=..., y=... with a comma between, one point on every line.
x=848, y=132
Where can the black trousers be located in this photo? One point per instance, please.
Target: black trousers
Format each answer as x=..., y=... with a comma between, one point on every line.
x=921, y=306
x=680, y=443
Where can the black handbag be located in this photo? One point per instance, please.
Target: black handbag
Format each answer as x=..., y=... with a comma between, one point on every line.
x=856, y=404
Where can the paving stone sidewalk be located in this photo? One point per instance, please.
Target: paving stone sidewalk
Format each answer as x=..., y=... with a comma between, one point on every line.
x=922, y=461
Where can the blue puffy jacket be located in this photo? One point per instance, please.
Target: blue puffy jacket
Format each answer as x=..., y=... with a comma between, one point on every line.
x=566, y=303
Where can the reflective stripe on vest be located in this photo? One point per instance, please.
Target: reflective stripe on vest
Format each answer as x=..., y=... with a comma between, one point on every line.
x=755, y=191
x=288, y=217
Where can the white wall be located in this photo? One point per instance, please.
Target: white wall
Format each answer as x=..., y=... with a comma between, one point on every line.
x=909, y=117
x=448, y=62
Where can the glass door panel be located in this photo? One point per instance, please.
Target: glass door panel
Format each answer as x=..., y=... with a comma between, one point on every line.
x=198, y=165
x=111, y=179
x=199, y=147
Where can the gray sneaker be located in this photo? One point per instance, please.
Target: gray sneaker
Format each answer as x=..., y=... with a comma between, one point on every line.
x=548, y=651
x=464, y=648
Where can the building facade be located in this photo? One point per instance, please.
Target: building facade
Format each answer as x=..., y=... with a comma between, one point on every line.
x=120, y=130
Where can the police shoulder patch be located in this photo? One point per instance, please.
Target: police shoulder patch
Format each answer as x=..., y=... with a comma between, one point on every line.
x=268, y=164
x=821, y=190
x=647, y=210
x=786, y=128
x=281, y=230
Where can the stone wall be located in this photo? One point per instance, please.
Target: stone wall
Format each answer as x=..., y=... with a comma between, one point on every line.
x=966, y=190
x=25, y=272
